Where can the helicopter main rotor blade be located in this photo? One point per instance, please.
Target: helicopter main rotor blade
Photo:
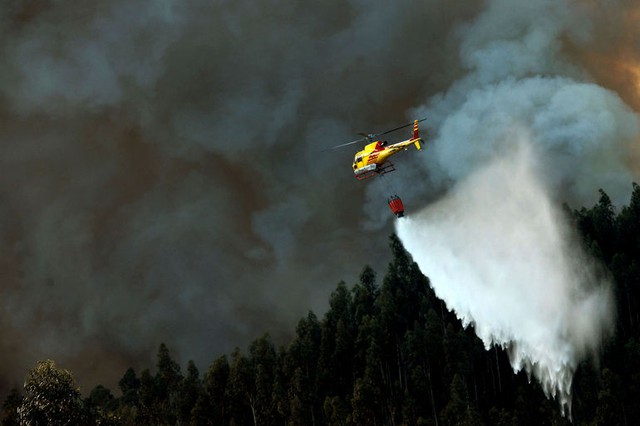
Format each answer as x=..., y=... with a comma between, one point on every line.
x=370, y=137
x=346, y=144
x=397, y=128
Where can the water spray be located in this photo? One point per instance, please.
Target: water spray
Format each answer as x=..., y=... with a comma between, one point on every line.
x=498, y=251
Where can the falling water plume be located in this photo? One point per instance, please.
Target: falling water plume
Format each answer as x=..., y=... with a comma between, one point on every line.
x=499, y=252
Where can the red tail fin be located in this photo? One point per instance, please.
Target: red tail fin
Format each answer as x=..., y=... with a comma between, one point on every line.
x=415, y=129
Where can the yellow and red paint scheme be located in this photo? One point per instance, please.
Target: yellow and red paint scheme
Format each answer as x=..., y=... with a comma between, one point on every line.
x=373, y=159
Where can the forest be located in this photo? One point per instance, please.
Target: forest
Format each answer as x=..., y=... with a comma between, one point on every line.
x=386, y=352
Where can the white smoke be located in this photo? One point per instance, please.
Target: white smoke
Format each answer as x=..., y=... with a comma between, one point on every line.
x=499, y=253
x=586, y=133
x=497, y=248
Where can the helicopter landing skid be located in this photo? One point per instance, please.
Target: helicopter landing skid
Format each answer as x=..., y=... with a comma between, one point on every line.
x=387, y=168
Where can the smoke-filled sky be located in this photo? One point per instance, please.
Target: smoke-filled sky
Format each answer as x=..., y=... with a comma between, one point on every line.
x=163, y=178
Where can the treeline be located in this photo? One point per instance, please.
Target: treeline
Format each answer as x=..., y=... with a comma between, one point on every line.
x=386, y=353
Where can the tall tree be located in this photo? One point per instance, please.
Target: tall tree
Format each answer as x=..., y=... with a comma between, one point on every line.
x=336, y=354
x=129, y=383
x=167, y=383
x=262, y=356
x=10, y=407
x=242, y=392
x=51, y=397
x=128, y=408
x=301, y=369
x=626, y=265
x=212, y=405
x=189, y=393
x=460, y=410
x=365, y=293
x=597, y=226
x=100, y=407
x=610, y=409
x=402, y=303
x=168, y=377
x=147, y=396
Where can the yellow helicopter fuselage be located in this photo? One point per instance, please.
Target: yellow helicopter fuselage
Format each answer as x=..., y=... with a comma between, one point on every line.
x=371, y=160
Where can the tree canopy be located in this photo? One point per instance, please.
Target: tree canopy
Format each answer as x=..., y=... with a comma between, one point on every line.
x=386, y=352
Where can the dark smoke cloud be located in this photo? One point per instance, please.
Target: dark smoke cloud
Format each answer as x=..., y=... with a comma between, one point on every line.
x=163, y=178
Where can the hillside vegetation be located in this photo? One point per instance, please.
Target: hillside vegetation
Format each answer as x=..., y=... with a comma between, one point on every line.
x=387, y=352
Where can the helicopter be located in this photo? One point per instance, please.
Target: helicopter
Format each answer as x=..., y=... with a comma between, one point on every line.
x=373, y=160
